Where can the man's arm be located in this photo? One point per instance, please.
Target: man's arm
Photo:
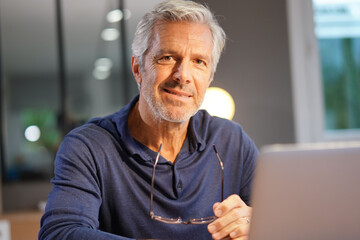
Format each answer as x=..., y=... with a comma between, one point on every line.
x=72, y=209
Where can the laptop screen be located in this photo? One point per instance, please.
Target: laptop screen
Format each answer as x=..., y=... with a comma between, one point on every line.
x=307, y=192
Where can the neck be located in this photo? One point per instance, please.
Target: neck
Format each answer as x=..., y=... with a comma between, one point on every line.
x=152, y=132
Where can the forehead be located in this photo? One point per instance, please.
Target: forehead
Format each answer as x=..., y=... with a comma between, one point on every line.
x=183, y=35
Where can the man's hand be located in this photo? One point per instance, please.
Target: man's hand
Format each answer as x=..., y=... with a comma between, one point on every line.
x=233, y=219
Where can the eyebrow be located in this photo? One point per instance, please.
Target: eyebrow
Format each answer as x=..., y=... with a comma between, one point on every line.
x=165, y=51
x=173, y=52
x=203, y=56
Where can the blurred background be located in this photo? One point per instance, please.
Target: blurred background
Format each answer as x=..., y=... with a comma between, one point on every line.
x=291, y=67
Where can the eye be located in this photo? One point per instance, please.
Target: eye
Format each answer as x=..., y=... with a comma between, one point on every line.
x=166, y=59
x=200, y=62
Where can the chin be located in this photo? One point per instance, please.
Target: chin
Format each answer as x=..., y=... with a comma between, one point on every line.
x=177, y=120
x=170, y=112
x=179, y=117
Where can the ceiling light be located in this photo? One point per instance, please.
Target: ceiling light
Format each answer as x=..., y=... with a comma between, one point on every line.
x=100, y=74
x=110, y=34
x=104, y=64
x=114, y=16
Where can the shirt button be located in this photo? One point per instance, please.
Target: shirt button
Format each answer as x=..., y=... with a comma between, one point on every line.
x=179, y=186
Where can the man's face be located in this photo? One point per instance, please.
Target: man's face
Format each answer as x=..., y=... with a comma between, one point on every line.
x=176, y=70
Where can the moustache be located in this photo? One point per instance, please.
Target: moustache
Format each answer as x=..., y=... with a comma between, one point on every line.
x=174, y=85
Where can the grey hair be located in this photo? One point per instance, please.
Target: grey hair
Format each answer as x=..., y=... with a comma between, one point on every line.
x=175, y=11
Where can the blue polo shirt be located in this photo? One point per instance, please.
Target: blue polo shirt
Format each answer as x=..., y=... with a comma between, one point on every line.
x=103, y=175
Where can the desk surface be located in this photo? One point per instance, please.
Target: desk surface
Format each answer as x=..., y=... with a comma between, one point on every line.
x=23, y=225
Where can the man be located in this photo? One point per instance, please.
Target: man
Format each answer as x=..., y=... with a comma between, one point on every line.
x=105, y=184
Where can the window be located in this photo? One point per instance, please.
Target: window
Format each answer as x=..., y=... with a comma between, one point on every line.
x=337, y=27
x=325, y=53
x=44, y=95
x=29, y=95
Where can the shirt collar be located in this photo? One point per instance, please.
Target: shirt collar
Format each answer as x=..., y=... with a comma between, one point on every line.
x=195, y=134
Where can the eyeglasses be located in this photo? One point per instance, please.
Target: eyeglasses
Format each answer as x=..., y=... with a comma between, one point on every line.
x=179, y=220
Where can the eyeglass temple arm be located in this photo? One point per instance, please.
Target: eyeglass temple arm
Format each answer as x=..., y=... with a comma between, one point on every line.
x=152, y=182
x=222, y=172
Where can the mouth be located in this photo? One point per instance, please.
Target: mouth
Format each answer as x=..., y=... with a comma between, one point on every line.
x=178, y=93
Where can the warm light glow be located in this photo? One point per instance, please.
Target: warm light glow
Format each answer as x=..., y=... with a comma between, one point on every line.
x=115, y=16
x=32, y=133
x=110, y=34
x=219, y=102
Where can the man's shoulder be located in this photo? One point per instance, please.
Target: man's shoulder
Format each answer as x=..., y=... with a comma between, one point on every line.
x=214, y=122
x=206, y=128
x=97, y=128
x=222, y=132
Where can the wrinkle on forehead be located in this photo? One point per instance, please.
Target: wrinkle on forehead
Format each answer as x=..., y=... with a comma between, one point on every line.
x=191, y=37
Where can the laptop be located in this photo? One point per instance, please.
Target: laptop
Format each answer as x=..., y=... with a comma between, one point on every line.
x=309, y=191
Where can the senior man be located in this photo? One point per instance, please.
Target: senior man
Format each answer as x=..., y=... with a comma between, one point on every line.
x=158, y=168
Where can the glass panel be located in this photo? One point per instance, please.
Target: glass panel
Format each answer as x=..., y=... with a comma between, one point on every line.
x=97, y=76
x=338, y=33
x=29, y=82
x=34, y=100
x=89, y=89
x=99, y=81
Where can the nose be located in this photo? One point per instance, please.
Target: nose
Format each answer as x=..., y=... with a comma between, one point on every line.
x=182, y=72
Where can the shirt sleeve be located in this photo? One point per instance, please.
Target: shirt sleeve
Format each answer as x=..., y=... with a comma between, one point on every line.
x=73, y=205
x=249, y=154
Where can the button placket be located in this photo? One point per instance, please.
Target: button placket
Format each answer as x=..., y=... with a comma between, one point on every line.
x=177, y=177
x=179, y=185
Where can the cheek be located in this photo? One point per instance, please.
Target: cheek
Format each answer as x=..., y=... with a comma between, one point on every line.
x=150, y=76
x=160, y=75
x=203, y=84
x=201, y=91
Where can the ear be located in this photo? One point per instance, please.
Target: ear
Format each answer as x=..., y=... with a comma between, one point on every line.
x=135, y=67
x=211, y=79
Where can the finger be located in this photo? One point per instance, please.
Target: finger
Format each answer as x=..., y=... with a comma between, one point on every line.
x=232, y=216
x=235, y=215
x=227, y=224
x=233, y=201
x=237, y=227
x=238, y=238
x=215, y=205
x=242, y=229
x=226, y=238
x=241, y=238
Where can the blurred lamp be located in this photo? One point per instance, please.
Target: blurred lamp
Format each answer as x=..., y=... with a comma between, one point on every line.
x=114, y=16
x=218, y=102
x=32, y=133
x=110, y=34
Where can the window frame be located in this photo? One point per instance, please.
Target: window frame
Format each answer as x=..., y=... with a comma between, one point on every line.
x=306, y=77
